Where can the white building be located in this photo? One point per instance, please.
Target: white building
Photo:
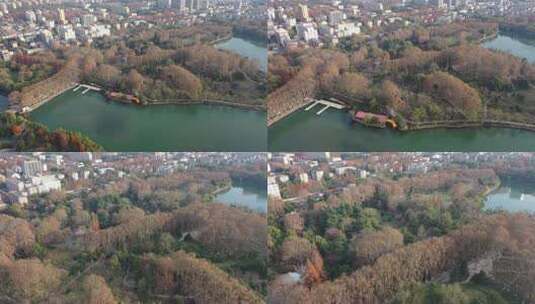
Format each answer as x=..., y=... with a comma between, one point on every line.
x=344, y=170
x=307, y=32
x=284, y=178
x=66, y=33
x=303, y=178
x=273, y=188
x=346, y=29
x=46, y=183
x=283, y=38
x=318, y=175
x=30, y=16
x=32, y=168
x=335, y=17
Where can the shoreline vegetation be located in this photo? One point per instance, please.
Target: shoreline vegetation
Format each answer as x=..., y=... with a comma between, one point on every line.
x=17, y=133
x=426, y=79
x=170, y=65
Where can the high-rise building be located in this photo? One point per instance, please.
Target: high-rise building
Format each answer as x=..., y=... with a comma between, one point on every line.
x=164, y=4
x=61, y=16
x=307, y=32
x=335, y=17
x=32, y=167
x=181, y=5
x=302, y=13
x=88, y=19
x=273, y=188
x=30, y=16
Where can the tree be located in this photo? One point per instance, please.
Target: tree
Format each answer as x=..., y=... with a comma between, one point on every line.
x=455, y=92
x=353, y=85
x=390, y=95
x=96, y=291
x=295, y=251
x=135, y=81
x=183, y=80
x=108, y=75
x=367, y=246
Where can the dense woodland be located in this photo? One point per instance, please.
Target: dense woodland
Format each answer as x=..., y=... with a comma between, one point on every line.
x=403, y=239
x=141, y=239
x=416, y=75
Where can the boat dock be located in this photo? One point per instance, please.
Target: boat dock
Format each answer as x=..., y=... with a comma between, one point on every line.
x=325, y=103
x=87, y=88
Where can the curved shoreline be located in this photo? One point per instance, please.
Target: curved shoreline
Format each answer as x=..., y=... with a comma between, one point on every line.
x=203, y=102
x=468, y=124
x=447, y=125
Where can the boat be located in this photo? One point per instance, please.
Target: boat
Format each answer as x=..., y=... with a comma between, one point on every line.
x=124, y=98
x=374, y=120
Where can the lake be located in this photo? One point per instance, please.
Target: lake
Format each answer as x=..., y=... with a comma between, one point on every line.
x=247, y=196
x=513, y=46
x=120, y=127
x=334, y=130
x=247, y=49
x=3, y=102
x=510, y=198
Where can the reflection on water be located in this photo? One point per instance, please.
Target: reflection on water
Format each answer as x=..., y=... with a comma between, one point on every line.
x=247, y=49
x=250, y=197
x=510, y=199
x=513, y=45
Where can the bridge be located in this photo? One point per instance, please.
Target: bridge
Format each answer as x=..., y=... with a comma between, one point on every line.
x=325, y=103
x=87, y=88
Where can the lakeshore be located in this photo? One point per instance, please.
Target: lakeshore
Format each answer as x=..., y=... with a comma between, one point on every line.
x=124, y=127
x=301, y=130
x=335, y=130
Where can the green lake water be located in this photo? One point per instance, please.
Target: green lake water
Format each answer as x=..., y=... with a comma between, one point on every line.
x=246, y=196
x=247, y=49
x=512, y=199
x=119, y=127
x=334, y=131
x=513, y=45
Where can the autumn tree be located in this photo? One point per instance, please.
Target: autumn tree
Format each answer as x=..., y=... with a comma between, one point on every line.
x=369, y=245
x=354, y=85
x=454, y=91
x=108, y=74
x=390, y=95
x=96, y=291
x=135, y=81
x=183, y=80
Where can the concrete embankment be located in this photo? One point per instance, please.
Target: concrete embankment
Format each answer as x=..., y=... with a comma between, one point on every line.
x=471, y=124
x=208, y=102
x=48, y=98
